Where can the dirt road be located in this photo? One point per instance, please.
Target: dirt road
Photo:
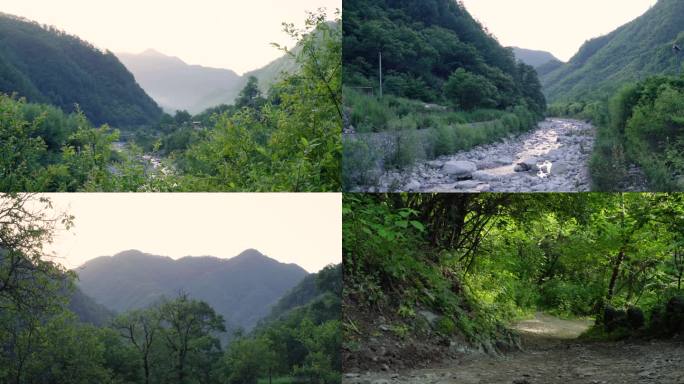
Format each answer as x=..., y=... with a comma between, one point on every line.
x=552, y=355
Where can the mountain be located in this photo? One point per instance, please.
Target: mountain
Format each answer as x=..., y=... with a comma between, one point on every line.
x=638, y=49
x=424, y=43
x=548, y=67
x=176, y=85
x=88, y=310
x=272, y=72
x=532, y=57
x=310, y=290
x=242, y=288
x=46, y=65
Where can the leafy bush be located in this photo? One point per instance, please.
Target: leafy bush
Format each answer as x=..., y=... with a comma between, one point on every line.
x=469, y=91
x=645, y=127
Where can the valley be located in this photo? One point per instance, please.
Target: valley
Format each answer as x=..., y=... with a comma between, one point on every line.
x=83, y=119
x=412, y=127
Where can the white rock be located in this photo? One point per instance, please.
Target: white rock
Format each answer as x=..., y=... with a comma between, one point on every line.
x=504, y=160
x=412, y=186
x=467, y=184
x=484, y=176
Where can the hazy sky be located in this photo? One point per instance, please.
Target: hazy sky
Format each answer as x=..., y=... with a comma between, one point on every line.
x=300, y=228
x=216, y=33
x=556, y=26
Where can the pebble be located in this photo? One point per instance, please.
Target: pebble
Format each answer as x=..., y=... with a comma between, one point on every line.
x=553, y=158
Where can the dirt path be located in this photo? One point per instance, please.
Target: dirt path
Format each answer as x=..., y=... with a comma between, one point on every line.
x=551, y=355
x=548, y=326
x=554, y=158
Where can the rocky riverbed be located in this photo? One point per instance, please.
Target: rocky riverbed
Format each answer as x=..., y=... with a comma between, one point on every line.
x=553, y=158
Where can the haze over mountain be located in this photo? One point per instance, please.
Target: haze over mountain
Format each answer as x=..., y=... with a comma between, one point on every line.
x=176, y=85
x=46, y=65
x=533, y=57
x=637, y=49
x=242, y=288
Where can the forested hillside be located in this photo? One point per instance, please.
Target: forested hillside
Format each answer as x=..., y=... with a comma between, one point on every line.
x=424, y=44
x=46, y=65
x=242, y=288
x=433, y=277
x=176, y=340
x=279, y=344
x=628, y=84
x=634, y=51
x=447, y=86
x=287, y=139
x=87, y=310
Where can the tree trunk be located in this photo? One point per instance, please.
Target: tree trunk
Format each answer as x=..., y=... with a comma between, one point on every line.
x=181, y=369
x=614, y=276
x=146, y=366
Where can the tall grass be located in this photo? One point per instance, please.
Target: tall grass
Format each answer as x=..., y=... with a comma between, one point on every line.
x=370, y=113
x=395, y=133
x=642, y=124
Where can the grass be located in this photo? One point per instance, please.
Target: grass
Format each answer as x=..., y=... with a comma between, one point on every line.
x=277, y=380
x=395, y=133
x=372, y=114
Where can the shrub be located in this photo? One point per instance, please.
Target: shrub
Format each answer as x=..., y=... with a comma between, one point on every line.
x=469, y=91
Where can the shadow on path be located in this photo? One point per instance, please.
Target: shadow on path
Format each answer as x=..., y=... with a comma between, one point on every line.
x=553, y=355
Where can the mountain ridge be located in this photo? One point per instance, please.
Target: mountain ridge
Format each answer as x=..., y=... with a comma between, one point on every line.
x=533, y=57
x=177, y=85
x=639, y=48
x=242, y=288
x=169, y=80
x=47, y=65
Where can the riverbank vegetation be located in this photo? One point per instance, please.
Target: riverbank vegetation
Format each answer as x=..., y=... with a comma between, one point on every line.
x=641, y=125
x=288, y=140
x=446, y=272
x=442, y=72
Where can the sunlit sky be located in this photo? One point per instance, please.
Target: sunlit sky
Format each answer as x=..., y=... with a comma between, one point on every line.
x=556, y=26
x=215, y=33
x=305, y=229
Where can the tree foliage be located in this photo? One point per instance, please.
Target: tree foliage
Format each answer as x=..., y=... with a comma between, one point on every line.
x=482, y=260
x=46, y=65
x=174, y=341
x=423, y=44
x=289, y=141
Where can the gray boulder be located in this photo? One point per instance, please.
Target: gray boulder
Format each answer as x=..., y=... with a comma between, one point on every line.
x=460, y=170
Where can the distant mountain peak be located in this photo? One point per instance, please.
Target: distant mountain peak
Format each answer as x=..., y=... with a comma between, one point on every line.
x=242, y=288
x=134, y=253
x=152, y=52
x=535, y=58
x=250, y=252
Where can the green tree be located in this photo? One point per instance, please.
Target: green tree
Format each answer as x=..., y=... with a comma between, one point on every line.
x=469, y=91
x=250, y=95
x=188, y=328
x=141, y=328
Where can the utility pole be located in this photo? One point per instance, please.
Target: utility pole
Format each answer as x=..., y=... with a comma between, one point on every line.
x=380, y=70
x=677, y=50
